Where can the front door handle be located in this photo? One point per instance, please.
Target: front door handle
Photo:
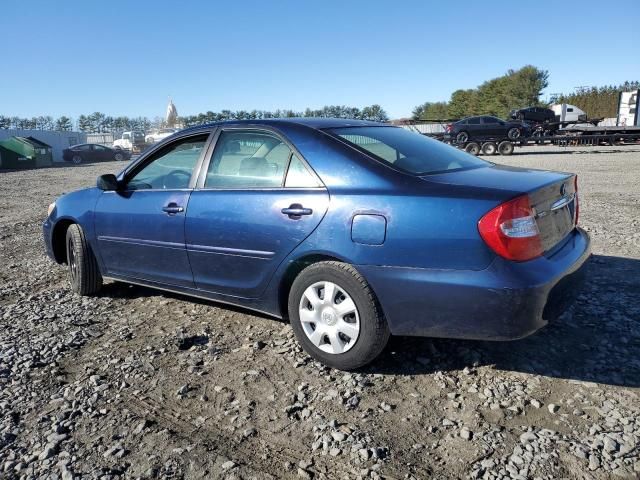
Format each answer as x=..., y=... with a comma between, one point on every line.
x=295, y=211
x=173, y=208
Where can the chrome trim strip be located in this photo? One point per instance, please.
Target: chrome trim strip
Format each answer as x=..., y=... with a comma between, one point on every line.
x=563, y=202
x=230, y=251
x=140, y=241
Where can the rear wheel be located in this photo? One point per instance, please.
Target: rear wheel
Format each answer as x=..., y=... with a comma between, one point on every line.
x=77, y=159
x=462, y=137
x=473, y=148
x=489, y=148
x=505, y=148
x=84, y=274
x=336, y=317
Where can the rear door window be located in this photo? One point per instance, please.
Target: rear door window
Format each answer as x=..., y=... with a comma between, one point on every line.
x=248, y=159
x=299, y=176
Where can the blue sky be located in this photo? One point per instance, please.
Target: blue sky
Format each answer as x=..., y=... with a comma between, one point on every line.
x=125, y=58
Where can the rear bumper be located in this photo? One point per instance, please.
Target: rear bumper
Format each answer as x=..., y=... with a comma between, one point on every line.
x=506, y=301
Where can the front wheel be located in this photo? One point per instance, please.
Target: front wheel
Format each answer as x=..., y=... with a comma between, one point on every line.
x=336, y=316
x=118, y=156
x=84, y=274
x=77, y=159
x=513, y=133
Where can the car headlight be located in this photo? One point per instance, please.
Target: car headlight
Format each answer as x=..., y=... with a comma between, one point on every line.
x=51, y=208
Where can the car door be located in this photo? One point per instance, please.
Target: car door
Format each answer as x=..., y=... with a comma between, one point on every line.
x=474, y=127
x=140, y=227
x=491, y=126
x=256, y=201
x=101, y=153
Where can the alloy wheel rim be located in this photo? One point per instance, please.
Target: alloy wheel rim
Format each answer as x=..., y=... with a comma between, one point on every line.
x=77, y=159
x=329, y=317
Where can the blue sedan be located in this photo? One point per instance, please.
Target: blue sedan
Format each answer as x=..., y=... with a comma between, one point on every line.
x=352, y=230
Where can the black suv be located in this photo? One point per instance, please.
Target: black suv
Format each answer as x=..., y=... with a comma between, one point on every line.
x=534, y=114
x=485, y=128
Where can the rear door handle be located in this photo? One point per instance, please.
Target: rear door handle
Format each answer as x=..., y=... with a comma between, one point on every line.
x=296, y=210
x=173, y=208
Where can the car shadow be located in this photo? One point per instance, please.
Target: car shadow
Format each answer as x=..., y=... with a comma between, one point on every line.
x=597, y=340
x=131, y=292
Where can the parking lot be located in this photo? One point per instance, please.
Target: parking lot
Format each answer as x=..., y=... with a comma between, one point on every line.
x=139, y=383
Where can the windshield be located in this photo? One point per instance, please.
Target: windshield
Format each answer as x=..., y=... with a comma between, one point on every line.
x=408, y=151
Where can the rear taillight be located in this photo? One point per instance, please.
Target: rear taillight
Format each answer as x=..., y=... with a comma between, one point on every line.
x=511, y=231
x=448, y=128
x=576, y=204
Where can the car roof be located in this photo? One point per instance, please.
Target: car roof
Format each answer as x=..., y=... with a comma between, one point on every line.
x=312, y=122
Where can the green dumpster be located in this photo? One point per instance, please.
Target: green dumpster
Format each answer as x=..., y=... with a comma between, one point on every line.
x=29, y=153
x=44, y=152
x=15, y=153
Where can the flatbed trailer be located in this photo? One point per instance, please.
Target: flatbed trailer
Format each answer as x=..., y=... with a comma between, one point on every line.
x=620, y=136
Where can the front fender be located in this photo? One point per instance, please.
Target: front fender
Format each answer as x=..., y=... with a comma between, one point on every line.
x=75, y=207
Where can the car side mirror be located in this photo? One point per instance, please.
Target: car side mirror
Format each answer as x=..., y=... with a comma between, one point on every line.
x=107, y=182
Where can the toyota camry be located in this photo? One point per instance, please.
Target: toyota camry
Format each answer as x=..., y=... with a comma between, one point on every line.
x=351, y=230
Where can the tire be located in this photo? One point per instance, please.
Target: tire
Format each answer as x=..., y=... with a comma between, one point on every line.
x=489, y=148
x=462, y=137
x=364, y=332
x=84, y=274
x=118, y=157
x=513, y=133
x=77, y=159
x=505, y=147
x=473, y=148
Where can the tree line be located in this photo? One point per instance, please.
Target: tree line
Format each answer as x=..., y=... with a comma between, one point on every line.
x=598, y=102
x=98, y=122
x=516, y=89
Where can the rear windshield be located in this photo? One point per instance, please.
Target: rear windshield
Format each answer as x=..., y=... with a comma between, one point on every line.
x=408, y=151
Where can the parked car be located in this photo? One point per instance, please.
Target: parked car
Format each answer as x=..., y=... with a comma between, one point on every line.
x=160, y=134
x=91, y=152
x=485, y=127
x=352, y=230
x=534, y=114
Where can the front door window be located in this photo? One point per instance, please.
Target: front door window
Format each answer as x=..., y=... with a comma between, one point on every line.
x=171, y=168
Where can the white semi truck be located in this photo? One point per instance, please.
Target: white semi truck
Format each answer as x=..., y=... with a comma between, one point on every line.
x=132, y=141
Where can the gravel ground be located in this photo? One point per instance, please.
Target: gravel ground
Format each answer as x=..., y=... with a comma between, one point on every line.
x=136, y=383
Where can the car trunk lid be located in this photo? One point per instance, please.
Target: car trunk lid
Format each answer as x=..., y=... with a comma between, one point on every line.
x=552, y=195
